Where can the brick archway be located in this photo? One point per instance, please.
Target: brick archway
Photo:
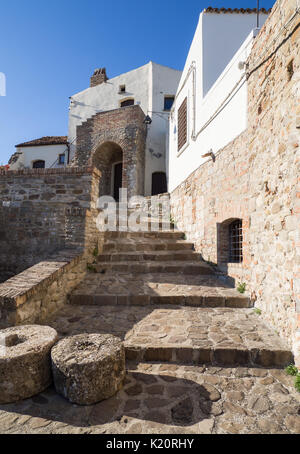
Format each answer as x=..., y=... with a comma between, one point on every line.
x=104, y=159
x=102, y=137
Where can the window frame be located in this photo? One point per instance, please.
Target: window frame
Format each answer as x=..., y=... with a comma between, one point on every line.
x=64, y=159
x=126, y=100
x=168, y=97
x=186, y=143
x=235, y=242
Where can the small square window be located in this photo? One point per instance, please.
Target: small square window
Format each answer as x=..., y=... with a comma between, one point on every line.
x=61, y=159
x=169, y=101
x=122, y=89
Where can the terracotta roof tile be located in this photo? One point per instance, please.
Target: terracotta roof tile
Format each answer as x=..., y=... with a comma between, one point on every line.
x=210, y=9
x=49, y=140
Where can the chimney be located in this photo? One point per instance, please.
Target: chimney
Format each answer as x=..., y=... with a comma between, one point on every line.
x=98, y=77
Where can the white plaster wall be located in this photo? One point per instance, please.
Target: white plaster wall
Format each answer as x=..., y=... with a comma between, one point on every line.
x=47, y=153
x=222, y=36
x=106, y=96
x=232, y=120
x=147, y=85
x=228, y=124
x=164, y=83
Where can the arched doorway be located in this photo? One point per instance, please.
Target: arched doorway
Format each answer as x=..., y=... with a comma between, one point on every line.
x=108, y=158
x=38, y=164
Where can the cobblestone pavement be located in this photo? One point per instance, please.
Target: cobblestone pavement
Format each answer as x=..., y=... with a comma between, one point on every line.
x=160, y=398
x=176, y=328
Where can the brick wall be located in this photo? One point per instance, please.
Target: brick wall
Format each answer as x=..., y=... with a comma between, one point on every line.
x=119, y=132
x=41, y=211
x=256, y=178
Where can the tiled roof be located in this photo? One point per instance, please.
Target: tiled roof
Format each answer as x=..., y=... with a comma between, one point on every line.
x=49, y=140
x=210, y=9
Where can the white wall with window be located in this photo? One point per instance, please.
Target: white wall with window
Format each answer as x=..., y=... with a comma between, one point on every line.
x=213, y=86
x=33, y=157
x=151, y=86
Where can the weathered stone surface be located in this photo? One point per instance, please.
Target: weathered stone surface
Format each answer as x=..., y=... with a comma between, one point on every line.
x=181, y=413
x=255, y=178
x=25, y=368
x=88, y=368
x=149, y=333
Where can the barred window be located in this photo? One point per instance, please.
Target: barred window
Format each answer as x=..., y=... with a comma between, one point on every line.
x=182, y=124
x=236, y=241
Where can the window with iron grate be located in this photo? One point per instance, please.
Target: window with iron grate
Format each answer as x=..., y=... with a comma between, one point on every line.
x=236, y=242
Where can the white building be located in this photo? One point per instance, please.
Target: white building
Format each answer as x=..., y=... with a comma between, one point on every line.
x=153, y=88
x=210, y=107
x=46, y=152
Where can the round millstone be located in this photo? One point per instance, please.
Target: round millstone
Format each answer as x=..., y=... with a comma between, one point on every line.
x=25, y=365
x=88, y=368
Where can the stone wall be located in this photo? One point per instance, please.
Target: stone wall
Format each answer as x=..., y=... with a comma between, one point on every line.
x=41, y=211
x=37, y=293
x=48, y=220
x=256, y=178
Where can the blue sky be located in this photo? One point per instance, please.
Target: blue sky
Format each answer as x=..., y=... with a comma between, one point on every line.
x=48, y=51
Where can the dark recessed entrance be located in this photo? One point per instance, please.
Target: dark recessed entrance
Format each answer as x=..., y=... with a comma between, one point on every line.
x=118, y=169
x=159, y=183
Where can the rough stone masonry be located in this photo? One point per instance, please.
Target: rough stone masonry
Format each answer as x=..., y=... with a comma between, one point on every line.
x=256, y=178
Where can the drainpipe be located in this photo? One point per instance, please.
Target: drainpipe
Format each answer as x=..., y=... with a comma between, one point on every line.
x=68, y=148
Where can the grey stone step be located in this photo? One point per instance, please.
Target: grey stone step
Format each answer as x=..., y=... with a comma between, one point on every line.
x=157, y=256
x=179, y=266
x=147, y=225
x=206, y=301
x=210, y=355
x=170, y=234
x=182, y=335
x=147, y=245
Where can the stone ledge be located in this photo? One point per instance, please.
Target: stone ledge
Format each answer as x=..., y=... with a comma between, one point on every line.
x=46, y=172
x=34, y=284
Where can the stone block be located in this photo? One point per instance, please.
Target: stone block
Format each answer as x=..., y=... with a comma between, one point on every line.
x=88, y=368
x=25, y=368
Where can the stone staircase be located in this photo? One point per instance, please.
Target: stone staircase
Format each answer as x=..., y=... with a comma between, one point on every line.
x=154, y=291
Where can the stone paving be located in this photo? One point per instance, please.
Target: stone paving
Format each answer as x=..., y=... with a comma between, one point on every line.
x=167, y=288
x=180, y=334
x=169, y=399
x=194, y=351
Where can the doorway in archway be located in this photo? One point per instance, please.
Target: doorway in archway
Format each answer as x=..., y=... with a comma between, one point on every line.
x=117, y=180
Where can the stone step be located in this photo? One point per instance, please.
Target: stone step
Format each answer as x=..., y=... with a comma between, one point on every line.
x=182, y=335
x=157, y=289
x=230, y=356
x=145, y=225
x=158, y=300
x=157, y=256
x=226, y=337
x=167, y=234
x=146, y=246
x=179, y=266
